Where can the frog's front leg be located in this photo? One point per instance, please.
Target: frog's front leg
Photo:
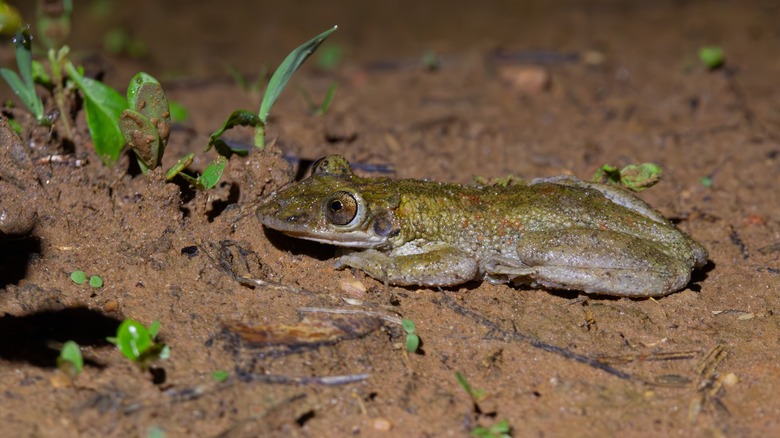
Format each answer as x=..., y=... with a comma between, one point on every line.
x=415, y=264
x=593, y=261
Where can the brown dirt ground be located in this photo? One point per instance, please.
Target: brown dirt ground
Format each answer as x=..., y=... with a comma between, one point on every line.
x=648, y=99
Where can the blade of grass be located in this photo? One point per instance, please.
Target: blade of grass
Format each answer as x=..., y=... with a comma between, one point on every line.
x=285, y=71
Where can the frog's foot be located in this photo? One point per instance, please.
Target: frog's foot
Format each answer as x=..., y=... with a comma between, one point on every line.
x=593, y=261
x=437, y=265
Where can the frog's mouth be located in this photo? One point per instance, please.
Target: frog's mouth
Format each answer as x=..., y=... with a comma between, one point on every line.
x=348, y=238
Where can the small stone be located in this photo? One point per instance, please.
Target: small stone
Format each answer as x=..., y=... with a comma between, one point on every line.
x=526, y=78
x=353, y=288
x=110, y=306
x=381, y=424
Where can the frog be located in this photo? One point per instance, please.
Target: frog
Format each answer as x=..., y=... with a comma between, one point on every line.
x=549, y=233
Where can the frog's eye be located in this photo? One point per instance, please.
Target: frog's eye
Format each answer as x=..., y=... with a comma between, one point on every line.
x=341, y=208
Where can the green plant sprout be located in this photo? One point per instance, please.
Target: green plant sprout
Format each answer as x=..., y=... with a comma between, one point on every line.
x=138, y=343
x=635, y=177
x=412, y=340
x=275, y=86
x=95, y=281
x=498, y=430
x=321, y=109
x=70, y=360
x=22, y=84
x=146, y=124
x=103, y=106
x=78, y=277
x=712, y=57
x=477, y=395
x=219, y=375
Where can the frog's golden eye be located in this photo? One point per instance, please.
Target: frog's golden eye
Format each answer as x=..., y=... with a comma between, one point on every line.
x=341, y=208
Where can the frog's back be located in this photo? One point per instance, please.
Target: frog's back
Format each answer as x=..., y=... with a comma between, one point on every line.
x=494, y=218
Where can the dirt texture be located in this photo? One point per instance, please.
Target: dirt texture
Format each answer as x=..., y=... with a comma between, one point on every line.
x=525, y=88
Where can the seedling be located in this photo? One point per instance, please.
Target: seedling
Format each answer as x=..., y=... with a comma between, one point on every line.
x=712, y=57
x=146, y=124
x=412, y=340
x=78, y=277
x=220, y=375
x=70, y=360
x=322, y=108
x=138, y=343
x=103, y=106
x=275, y=86
x=498, y=430
x=633, y=177
x=477, y=395
x=22, y=84
x=95, y=281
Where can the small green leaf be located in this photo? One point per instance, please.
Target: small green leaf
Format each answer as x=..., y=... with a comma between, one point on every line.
x=329, y=96
x=141, y=135
x=285, y=71
x=179, y=112
x=711, y=56
x=70, y=359
x=154, y=329
x=165, y=352
x=179, y=166
x=78, y=277
x=236, y=118
x=412, y=342
x=408, y=325
x=705, y=181
x=220, y=375
x=103, y=107
x=95, y=281
x=213, y=173
x=133, y=339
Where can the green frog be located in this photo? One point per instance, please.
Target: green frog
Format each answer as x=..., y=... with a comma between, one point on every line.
x=559, y=233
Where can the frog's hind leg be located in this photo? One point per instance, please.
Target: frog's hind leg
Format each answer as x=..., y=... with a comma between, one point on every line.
x=593, y=261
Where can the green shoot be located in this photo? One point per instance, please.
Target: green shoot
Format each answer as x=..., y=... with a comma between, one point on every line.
x=633, y=177
x=146, y=124
x=22, y=84
x=220, y=375
x=179, y=112
x=103, y=106
x=95, y=281
x=70, y=360
x=275, y=86
x=498, y=430
x=706, y=181
x=476, y=395
x=78, y=277
x=412, y=340
x=210, y=177
x=138, y=343
x=282, y=75
x=322, y=108
x=712, y=57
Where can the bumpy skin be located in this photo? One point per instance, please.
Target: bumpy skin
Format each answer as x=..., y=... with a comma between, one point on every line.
x=559, y=233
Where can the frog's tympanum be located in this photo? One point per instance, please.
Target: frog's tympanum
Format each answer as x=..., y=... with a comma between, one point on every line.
x=559, y=233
